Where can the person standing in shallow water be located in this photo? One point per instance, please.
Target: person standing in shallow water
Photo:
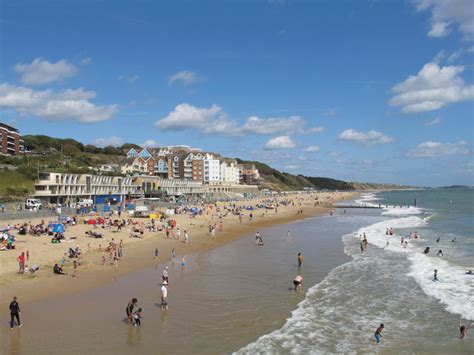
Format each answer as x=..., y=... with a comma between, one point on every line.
x=300, y=259
x=378, y=333
x=129, y=310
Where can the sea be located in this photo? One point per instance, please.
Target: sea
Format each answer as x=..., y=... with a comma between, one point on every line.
x=238, y=298
x=392, y=283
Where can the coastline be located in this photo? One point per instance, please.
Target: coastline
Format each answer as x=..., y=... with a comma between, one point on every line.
x=138, y=254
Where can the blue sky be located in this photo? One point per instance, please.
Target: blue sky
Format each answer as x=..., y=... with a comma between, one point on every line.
x=378, y=91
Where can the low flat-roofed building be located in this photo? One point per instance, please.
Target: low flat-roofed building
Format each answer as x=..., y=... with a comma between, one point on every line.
x=70, y=188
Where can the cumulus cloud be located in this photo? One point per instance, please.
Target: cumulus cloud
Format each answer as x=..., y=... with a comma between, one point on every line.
x=431, y=89
x=435, y=121
x=104, y=142
x=432, y=149
x=258, y=125
x=67, y=104
x=215, y=120
x=86, y=61
x=311, y=149
x=149, y=143
x=446, y=14
x=368, y=138
x=317, y=129
x=41, y=71
x=186, y=116
x=330, y=112
x=129, y=78
x=282, y=142
x=185, y=77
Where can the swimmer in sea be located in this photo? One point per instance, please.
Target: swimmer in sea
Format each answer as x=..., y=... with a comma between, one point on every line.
x=435, y=276
x=440, y=253
x=378, y=333
x=462, y=330
x=437, y=240
x=427, y=250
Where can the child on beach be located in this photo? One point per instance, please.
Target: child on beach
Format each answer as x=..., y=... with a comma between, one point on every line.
x=137, y=316
x=378, y=333
x=157, y=253
x=164, y=295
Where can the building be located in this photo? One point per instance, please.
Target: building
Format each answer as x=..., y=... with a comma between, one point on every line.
x=229, y=171
x=161, y=167
x=70, y=188
x=249, y=174
x=154, y=186
x=137, y=165
x=198, y=170
x=211, y=168
x=10, y=140
x=190, y=168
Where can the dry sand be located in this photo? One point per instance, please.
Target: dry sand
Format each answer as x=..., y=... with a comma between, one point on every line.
x=138, y=253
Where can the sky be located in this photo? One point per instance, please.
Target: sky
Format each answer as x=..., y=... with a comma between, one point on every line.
x=376, y=91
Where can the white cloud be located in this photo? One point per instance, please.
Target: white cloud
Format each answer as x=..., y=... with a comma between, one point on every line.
x=282, y=142
x=68, y=104
x=333, y=154
x=149, y=143
x=104, y=142
x=432, y=149
x=129, y=78
x=291, y=167
x=41, y=71
x=186, y=77
x=448, y=13
x=302, y=157
x=86, y=61
x=215, y=120
x=431, y=89
x=439, y=29
x=271, y=125
x=330, y=112
x=318, y=129
x=186, y=116
x=311, y=149
x=370, y=137
x=433, y=122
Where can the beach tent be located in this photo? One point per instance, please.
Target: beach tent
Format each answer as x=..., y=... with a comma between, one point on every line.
x=91, y=221
x=58, y=228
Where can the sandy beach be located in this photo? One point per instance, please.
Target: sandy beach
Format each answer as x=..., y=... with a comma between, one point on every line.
x=138, y=252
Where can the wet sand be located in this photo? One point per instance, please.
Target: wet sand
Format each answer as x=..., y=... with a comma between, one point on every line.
x=224, y=299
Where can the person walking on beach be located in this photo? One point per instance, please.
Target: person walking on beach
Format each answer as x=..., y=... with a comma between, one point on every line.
x=186, y=236
x=21, y=263
x=378, y=333
x=300, y=259
x=157, y=253
x=15, y=313
x=164, y=295
x=129, y=310
x=74, y=270
x=165, y=274
x=435, y=276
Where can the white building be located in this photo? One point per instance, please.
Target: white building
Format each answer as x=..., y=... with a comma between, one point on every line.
x=70, y=188
x=229, y=170
x=212, y=169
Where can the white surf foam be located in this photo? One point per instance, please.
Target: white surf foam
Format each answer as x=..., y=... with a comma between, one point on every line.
x=455, y=289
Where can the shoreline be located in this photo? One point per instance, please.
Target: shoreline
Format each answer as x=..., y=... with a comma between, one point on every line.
x=138, y=254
